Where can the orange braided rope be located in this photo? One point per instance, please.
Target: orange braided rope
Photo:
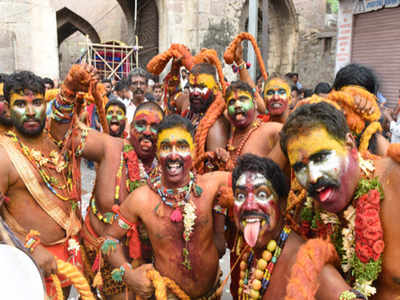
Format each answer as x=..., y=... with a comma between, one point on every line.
x=98, y=92
x=394, y=152
x=57, y=285
x=210, y=56
x=178, y=51
x=229, y=54
x=75, y=276
x=213, y=113
x=310, y=259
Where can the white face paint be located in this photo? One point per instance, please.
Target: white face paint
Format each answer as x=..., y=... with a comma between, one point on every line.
x=248, y=187
x=326, y=163
x=202, y=91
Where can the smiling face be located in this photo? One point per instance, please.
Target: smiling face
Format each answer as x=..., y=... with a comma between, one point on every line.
x=277, y=96
x=241, y=108
x=28, y=112
x=202, y=89
x=116, y=120
x=143, y=134
x=256, y=209
x=325, y=166
x=175, y=152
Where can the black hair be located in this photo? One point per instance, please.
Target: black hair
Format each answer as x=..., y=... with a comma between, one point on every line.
x=3, y=77
x=18, y=81
x=322, y=88
x=310, y=116
x=157, y=85
x=308, y=93
x=294, y=88
x=149, y=97
x=105, y=80
x=239, y=85
x=204, y=68
x=151, y=105
x=265, y=166
x=116, y=103
x=355, y=74
x=49, y=81
x=121, y=85
x=138, y=72
x=292, y=74
x=173, y=121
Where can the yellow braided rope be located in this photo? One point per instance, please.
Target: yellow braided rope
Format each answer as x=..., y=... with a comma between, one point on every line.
x=161, y=283
x=72, y=273
x=366, y=136
x=57, y=284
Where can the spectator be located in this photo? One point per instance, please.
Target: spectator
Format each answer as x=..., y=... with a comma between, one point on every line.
x=138, y=85
x=48, y=83
x=294, y=77
x=295, y=96
x=108, y=85
x=157, y=93
x=322, y=89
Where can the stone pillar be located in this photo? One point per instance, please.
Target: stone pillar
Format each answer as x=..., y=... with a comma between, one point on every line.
x=29, y=37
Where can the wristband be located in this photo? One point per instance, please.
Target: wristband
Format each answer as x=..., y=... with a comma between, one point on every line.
x=32, y=240
x=118, y=273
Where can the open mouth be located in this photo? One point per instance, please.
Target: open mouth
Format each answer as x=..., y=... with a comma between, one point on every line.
x=146, y=144
x=114, y=125
x=324, y=193
x=174, y=167
x=276, y=105
x=252, y=225
x=240, y=116
x=31, y=124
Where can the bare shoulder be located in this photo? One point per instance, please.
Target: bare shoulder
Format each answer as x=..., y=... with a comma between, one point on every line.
x=216, y=178
x=218, y=134
x=271, y=127
x=136, y=200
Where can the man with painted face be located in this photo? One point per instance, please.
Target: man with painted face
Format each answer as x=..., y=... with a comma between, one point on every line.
x=116, y=118
x=248, y=133
x=355, y=195
x=266, y=245
x=277, y=97
x=177, y=211
x=41, y=206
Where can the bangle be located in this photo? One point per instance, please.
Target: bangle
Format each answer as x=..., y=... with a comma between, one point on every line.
x=118, y=273
x=32, y=240
x=241, y=66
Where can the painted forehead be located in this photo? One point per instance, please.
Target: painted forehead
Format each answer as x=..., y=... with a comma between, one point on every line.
x=313, y=141
x=236, y=94
x=202, y=78
x=25, y=93
x=277, y=83
x=114, y=107
x=152, y=115
x=250, y=179
x=175, y=134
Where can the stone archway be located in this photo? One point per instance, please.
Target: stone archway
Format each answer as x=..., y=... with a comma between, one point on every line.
x=69, y=22
x=147, y=27
x=283, y=34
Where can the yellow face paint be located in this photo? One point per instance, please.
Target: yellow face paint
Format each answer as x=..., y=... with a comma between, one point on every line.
x=304, y=145
x=1, y=88
x=175, y=139
x=274, y=85
x=203, y=80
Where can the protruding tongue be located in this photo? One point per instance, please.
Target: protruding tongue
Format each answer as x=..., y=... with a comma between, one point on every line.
x=239, y=117
x=324, y=194
x=1, y=108
x=250, y=232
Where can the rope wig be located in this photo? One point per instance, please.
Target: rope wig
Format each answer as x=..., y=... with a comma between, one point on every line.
x=177, y=51
x=98, y=92
x=209, y=56
x=230, y=51
x=162, y=283
x=310, y=260
x=72, y=273
x=57, y=285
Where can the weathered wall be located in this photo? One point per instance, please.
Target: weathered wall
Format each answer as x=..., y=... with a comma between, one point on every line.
x=29, y=38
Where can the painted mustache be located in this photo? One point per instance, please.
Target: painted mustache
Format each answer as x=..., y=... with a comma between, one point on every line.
x=322, y=183
x=254, y=214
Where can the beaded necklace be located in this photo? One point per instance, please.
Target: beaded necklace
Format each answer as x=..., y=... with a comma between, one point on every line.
x=54, y=162
x=237, y=151
x=253, y=284
x=179, y=198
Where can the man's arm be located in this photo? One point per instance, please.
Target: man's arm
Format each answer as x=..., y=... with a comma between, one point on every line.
x=218, y=135
x=331, y=284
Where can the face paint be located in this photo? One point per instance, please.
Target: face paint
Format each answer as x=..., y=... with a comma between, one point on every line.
x=202, y=89
x=277, y=96
x=175, y=151
x=241, y=108
x=256, y=210
x=116, y=120
x=28, y=112
x=144, y=132
x=323, y=165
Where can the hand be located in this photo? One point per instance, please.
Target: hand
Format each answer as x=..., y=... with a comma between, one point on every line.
x=79, y=77
x=222, y=154
x=45, y=260
x=387, y=113
x=239, y=54
x=363, y=105
x=137, y=280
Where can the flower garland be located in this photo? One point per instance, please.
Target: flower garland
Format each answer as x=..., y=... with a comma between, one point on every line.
x=360, y=242
x=176, y=199
x=53, y=162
